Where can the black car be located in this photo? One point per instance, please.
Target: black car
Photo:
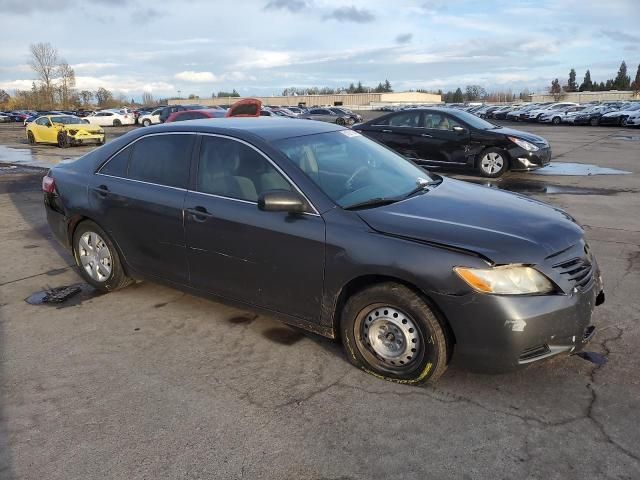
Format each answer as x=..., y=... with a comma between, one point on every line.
x=592, y=116
x=345, y=111
x=332, y=232
x=454, y=138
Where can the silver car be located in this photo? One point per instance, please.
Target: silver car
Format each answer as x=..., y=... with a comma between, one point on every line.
x=326, y=115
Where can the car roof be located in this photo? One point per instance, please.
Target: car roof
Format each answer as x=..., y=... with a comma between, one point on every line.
x=266, y=128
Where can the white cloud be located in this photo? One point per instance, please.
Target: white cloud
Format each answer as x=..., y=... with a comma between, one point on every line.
x=196, y=77
x=91, y=67
x=251, y=58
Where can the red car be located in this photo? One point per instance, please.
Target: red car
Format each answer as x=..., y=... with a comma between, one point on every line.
x=195, y=115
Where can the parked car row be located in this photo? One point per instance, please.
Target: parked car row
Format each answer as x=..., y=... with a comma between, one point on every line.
x=556, y=113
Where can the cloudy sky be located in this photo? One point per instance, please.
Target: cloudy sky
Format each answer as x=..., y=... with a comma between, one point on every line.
x=262, y=46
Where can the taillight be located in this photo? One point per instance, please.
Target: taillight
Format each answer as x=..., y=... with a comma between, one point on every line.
x=48, y=184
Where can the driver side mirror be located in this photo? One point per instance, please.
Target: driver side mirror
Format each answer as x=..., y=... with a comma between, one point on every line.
x=281, y=201
x=459, y=130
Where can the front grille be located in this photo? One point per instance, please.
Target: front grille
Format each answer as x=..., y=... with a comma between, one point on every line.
x=577, y=271
x=533, y=352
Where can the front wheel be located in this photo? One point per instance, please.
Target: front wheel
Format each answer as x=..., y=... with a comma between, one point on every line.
x=556, y=120
x=390, y=332
x=117, y=123
x=97, y=258
x=146, y=122
x=63, y=140
x=492, y=163
x=340, y=121
x=30, y=138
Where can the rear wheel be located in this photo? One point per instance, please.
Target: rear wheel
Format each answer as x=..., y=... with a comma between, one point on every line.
x=390, y=332
x=30, y=138
x=97, y=258
x=492, y=163
x=117, y=123
x=146, y=122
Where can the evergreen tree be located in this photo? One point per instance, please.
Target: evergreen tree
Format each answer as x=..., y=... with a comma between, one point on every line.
x=635, y=86
x=572, y=86
x=458, y=97
x=622, y=80
x=555, y=89
x=387, y=86
x=587, y=84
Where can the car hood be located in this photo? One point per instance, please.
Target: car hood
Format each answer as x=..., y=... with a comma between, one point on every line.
x=501, y=226
x=529, y=137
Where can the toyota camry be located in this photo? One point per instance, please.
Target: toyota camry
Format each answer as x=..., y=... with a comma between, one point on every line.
x=335, y=233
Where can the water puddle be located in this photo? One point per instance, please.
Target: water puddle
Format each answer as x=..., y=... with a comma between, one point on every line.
x=632, y=138
x=32, y=157
x=576, y=169
x=64, y=296
x=536, y=187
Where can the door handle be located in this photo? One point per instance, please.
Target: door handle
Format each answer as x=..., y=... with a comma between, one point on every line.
x=102, y=190
x=199, y=213
x=387, y=131
x=426, y=135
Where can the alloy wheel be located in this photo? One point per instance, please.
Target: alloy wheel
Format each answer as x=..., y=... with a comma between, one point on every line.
x=492, y=163
x=94, y=256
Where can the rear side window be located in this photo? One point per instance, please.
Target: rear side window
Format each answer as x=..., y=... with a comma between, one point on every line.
x=162, y=159
x=117, y=165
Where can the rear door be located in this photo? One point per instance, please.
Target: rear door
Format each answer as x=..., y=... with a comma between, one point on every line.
x=271, y=259
x=139, y=194
x=399, y=132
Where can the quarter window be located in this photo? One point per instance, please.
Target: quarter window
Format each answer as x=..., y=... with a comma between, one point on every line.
x=232, y=169
x=162, y=159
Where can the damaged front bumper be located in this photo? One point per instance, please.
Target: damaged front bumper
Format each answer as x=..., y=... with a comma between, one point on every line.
x=507, y=332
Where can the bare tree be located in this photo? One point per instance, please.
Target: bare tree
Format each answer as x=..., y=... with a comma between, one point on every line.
x=86, y=97
x=66, y=84
x=44, y=61
x=147, y=98
x=104, y=97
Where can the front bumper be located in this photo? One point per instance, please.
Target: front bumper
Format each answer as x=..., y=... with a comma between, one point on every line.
x=631, y=121
x=502, y=333
x=82, y=138
x=522, y=159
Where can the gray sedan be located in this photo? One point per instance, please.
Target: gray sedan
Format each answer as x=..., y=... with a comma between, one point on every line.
x=326, y=115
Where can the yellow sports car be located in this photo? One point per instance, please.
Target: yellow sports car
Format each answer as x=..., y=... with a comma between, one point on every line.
x=64, y=130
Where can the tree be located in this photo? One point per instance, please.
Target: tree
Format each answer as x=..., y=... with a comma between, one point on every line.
x=67, y=83
x=86, y=96
x=555, y=89
x=5, y=98
x=635, y=86
x=587, y=84
x=457, y=96
x=475, y=92
x=44, y=62
x=572, y=86
x=622, y=80
x=103, y=97
x=387, y=86
x=359, y=88
x=228, y=94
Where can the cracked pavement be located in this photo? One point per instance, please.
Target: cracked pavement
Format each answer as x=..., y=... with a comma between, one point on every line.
x=149, y=382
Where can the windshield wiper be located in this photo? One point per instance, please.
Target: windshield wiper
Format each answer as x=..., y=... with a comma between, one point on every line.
x=373, y=202
x=422, y=184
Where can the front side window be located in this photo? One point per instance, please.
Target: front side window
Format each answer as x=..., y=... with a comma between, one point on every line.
x=43, y=121
x=162, y=159
x=232, y=169
x=118, y=164
x=439, y=121
x=406, y=119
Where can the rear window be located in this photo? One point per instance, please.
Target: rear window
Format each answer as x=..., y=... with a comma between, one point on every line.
x=117, y=165
x=162, y=159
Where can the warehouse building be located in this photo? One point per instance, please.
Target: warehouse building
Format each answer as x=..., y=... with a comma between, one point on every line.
x=586, y=97
x=349, y=100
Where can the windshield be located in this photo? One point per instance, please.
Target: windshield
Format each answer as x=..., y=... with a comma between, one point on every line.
x=67, y=120
x=351, y=169
x=475, y=122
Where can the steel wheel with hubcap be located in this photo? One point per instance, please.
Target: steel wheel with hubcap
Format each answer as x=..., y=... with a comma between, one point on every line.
x=98, y=258
x=146, y=122
x=492, y=163
x=389, y=331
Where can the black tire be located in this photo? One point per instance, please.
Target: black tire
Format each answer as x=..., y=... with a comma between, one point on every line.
x=340, y=121
x=146, y=122
x=30, y=138
x=423, y=364
x=499, y=170
x=117, y=123
x=63, y=140
x=117, y=277
x=594, y=122
x=556, y=120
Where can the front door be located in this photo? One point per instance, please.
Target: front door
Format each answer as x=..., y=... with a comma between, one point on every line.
x=443, y=140
x=271, y=259
x=44, y=131
x=139, y=194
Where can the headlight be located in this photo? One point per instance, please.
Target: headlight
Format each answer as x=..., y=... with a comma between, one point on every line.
x=506, y=280
x=530, y=147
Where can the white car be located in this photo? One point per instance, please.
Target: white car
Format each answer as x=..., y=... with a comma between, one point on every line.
x=558, y=116
x=150, y=118
x=532, y=115
x=107, y=118
x=633, y=120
